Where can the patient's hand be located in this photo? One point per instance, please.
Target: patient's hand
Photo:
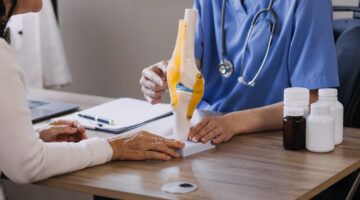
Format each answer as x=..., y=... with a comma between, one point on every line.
x=144, y=146
x=62, y=131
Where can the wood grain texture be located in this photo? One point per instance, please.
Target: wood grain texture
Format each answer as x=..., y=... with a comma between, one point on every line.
x=252, y=166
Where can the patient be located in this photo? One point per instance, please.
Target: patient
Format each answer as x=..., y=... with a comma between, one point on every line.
x=63, y=146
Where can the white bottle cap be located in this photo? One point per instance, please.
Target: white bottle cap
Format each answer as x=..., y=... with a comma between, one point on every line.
x=294, y=112
x=328, y=92
x=320, y=108
x=296, y=96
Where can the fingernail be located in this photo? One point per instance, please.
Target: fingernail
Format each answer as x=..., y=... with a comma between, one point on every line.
x=194, y=140
x=74, y=129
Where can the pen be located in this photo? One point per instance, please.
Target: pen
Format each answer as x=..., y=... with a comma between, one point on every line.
x=98, y=119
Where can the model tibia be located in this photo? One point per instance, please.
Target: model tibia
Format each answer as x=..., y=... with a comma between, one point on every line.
x=182, y=124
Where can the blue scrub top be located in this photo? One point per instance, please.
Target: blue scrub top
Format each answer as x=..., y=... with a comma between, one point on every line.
x=302, y=54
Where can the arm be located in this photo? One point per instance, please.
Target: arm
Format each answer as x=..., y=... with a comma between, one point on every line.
x=24, y=158
x=222, y=128
x=262, y=119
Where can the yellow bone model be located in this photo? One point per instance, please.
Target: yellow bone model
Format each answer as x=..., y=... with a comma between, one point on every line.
x=185, y=81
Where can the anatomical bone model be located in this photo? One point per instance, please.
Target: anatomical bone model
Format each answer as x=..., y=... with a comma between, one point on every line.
x=186, y=83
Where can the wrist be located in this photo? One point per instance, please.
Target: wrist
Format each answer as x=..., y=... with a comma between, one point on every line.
x=238, y=122
x=116, y=145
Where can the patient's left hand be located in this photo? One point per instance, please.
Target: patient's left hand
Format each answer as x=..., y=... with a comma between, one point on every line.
x=62, y=131
x=217, y=129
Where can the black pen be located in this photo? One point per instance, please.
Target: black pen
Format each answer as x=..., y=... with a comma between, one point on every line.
x=98, y=119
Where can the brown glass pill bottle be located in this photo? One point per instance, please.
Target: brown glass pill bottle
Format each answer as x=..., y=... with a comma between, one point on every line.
x=294, y=129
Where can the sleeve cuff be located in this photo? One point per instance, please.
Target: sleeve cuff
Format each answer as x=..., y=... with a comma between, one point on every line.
x=100, y=150
x=317, y=82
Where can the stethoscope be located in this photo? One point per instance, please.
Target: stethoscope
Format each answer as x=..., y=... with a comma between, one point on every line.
x=226, y=67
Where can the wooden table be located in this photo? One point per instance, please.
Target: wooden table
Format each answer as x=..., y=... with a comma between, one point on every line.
x=253, y=166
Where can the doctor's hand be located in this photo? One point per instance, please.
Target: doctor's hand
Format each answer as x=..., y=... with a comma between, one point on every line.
x=215, y=129
x=153, y=82
x=62, y=131
x=144, y=146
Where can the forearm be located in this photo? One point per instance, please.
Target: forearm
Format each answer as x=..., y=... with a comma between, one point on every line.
x=261, y=119
x=257, y=119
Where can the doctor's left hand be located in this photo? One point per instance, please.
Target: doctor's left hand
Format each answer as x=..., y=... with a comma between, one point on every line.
x=62, y=131
x=217, y=129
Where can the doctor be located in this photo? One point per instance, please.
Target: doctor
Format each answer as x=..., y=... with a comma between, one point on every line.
x=301, y=54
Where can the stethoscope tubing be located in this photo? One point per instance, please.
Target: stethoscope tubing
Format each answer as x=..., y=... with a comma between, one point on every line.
x=253, y=23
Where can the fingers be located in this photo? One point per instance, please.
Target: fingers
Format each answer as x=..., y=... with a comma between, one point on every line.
x=153, y=155
x=61, y=122
x=212, y=135
x=73, y=124
x=82, y=136
x=162, y=148
x=173, y=143
x=154, y=74
x=62, y=129
x=149, y=84
x=151, y=93
x=200, y=126
x=220, y=139
x=152, y=100
x=153, y=82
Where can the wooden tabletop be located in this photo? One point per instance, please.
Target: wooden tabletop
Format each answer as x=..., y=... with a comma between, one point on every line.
x=253, y=166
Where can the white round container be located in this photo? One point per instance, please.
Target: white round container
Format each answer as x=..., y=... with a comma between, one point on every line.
x=297, y=97
x=320, y=129
x=329, y=95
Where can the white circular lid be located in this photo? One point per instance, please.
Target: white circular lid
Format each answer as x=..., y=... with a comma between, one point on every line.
x=179, y=187
x=294, y=112
x=328, y=92
x=296, y=96
x=320, y=108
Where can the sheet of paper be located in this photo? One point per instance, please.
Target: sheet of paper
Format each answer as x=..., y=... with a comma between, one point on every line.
x=125, y=112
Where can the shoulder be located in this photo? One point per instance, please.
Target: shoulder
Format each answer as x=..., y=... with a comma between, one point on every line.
x=9, y=65
x=8, y=58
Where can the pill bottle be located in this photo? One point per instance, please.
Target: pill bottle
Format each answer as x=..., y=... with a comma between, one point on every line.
x=297, y=97
x=329, y=95
x=294, y=129
x=320, y=129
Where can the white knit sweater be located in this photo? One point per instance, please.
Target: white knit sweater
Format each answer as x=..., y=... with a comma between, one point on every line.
x=24, y=158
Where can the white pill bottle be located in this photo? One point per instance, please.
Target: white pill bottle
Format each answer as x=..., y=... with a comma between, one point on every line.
x=320, y=129
x=297, y=97
x=329, y=95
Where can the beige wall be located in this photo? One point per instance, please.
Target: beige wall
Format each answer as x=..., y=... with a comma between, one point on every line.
x=108, y=42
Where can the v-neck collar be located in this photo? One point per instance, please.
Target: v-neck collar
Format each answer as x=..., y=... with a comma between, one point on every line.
x=246, y=7
x=239, y=6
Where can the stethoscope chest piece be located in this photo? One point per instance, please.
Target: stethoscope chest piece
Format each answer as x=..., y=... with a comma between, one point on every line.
x=226, y=68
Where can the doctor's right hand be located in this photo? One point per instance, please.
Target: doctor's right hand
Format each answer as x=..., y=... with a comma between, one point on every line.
x=144, y=146
x=153, y=82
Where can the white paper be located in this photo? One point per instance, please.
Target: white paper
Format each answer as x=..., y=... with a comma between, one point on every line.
x=125, y=112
